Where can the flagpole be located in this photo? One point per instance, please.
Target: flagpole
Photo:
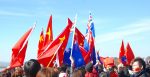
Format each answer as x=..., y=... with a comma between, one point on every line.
x=73, y=28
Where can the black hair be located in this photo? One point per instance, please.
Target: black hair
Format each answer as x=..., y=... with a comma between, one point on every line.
x=89, y=67
x=31, y=67
x=63, y=67
x=141, y=61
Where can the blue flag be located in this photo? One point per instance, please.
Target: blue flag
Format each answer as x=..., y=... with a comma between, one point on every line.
x=67, y=52
x=77, y=56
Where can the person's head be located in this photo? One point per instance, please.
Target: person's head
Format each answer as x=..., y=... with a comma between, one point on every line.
x=44, y=72
x=63, y=68
x=18, y=71
x=89, y=67
x=120, y=67
x=31, y=68
x=77, y=73
x=138, y=65
x=100, y=68
x=147, y=61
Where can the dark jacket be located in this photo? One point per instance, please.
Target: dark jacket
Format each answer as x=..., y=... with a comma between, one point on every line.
x=143, y=73
x=124, y=73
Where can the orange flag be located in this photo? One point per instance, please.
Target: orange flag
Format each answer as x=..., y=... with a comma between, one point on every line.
x=56, y=48
x=49, y=32
x=129, y=54
x=41, y=43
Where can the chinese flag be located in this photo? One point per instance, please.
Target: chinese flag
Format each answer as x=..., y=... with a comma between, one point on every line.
x=41, y=43
x=20, y=57
x=129, y=54
x=49, y=32
x=48, y=56
x=57, y=46
x=20, y=44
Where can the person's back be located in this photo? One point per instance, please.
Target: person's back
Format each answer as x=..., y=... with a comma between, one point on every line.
x=77, y=73
x=31, y=68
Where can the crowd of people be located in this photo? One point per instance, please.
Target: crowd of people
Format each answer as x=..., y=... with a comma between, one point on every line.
x=32, y=68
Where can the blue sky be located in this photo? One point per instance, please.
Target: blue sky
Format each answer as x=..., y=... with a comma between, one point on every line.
x=115, y=20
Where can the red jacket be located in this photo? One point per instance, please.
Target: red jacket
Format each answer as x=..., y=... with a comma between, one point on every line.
x=88, y=74
x=113, y=74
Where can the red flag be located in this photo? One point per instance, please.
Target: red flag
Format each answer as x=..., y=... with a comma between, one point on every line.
x=49, y=55
x=20, y=57
x=129, y=54
x=56, y=47
x=83, y=51
x=80, y=37
x=49, y=32
x=122, y=57
x=122, y=50
x=41, y=43
x=20, y=44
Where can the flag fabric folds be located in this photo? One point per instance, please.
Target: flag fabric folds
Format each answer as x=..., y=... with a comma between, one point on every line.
x=122, y=56
x=129, y=54
x=80, y=37
x=90, y=25
x=20, y=57
x=89, y=45
x=77, y=36
x=77, y=56
x=41, y=43
x=126, y=56
x=68, y=49
x=57, y=46
x=88, y=56
x=49, y=32
x=83, y=51
x=20, y=49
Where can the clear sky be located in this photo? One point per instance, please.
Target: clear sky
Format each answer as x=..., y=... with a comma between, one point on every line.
x=115, y=20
